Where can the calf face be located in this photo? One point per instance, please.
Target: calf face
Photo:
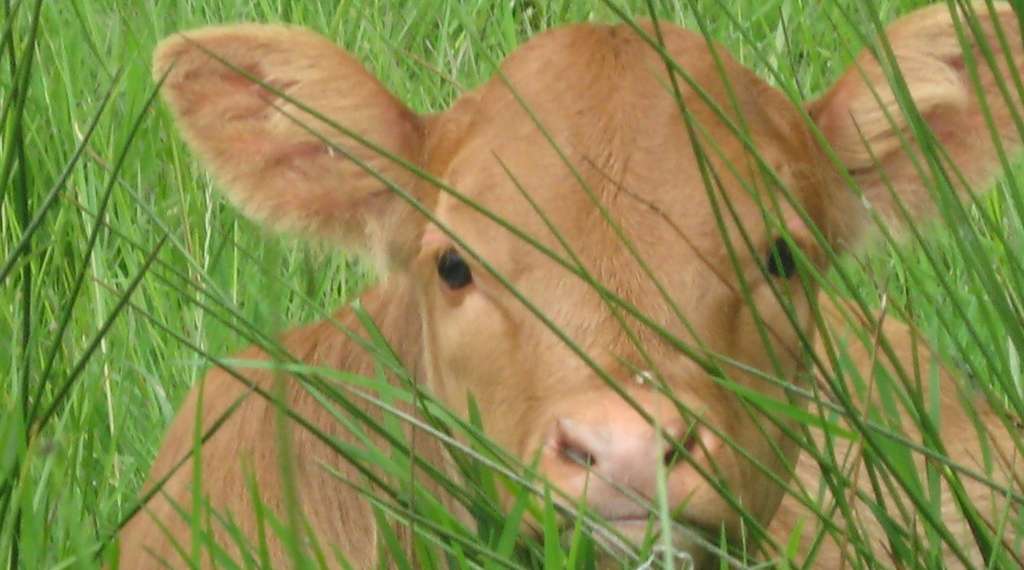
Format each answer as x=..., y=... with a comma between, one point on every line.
x=654, y=227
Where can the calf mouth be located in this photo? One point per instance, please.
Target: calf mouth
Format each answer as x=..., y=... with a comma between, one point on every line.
x=692, y=546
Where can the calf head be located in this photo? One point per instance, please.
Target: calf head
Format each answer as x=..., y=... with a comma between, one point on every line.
x=654, y=226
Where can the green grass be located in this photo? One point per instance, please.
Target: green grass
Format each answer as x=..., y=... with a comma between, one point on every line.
x=137, y=262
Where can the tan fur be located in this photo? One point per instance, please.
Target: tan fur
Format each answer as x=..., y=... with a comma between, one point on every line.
x=603, y=95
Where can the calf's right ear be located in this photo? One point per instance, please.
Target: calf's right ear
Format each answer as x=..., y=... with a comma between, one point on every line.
x=943, y=59
x=237, y=94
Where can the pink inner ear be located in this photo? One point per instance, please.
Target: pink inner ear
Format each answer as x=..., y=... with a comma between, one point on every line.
x=299, y=151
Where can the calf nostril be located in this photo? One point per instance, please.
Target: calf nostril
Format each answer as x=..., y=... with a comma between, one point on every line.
x=680, y=446
x=672, y=456
x=570, y=445
x=576, y=454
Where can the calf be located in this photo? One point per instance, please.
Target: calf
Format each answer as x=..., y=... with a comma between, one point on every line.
x=670, y=217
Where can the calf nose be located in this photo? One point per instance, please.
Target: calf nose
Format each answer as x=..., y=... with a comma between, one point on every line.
x=624, y=449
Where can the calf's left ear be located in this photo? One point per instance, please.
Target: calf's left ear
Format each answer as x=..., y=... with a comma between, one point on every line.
x=238, y=92
x=868, y=131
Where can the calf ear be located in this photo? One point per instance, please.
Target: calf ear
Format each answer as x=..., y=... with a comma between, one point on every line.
x=271, y=157
x=867, y=129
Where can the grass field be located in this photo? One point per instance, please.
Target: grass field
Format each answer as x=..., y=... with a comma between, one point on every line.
x=122, y=268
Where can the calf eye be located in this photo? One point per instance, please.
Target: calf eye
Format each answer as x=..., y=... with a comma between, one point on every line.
x=453, y=269
x=780, y=262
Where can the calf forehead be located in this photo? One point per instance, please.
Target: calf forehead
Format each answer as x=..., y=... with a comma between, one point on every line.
x=588, y=113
